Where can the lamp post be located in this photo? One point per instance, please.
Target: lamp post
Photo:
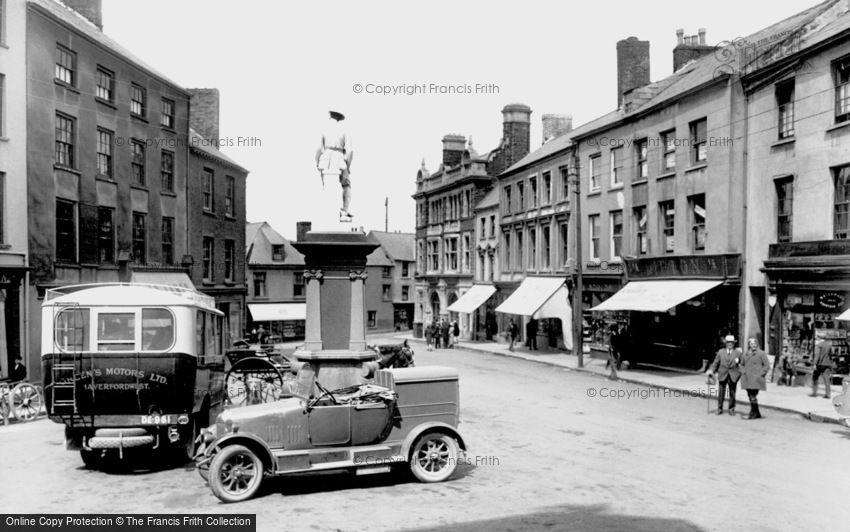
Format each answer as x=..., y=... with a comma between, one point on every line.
x=578, y=332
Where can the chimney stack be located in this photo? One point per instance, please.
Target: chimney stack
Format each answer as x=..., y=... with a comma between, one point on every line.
x=204, y=113
x=689, y=48
x=301, y=230
x=91, y=10
x=516, y=132
x=453, y=147
x=632, y=66
x=555, y=126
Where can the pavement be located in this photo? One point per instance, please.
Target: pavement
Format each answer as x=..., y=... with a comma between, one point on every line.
x=790, y=399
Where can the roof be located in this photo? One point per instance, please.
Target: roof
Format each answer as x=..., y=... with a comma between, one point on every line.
x=379, y=258
x=127, y=294
x=259, y=239
x=398, y=246
x=491, y=199
x=87, y=28
x=198, y=143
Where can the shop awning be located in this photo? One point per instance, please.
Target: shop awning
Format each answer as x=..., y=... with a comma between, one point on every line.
x=532, y=294
x=164, y=278
x=656, y=296
x=844, y=315
x=473, y=298
x=278, y=311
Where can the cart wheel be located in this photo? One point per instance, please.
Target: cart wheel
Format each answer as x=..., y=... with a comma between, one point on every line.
x=253, y=380
x=235, y=473
x=434, y=457
x=92, y=459
x=26, y=401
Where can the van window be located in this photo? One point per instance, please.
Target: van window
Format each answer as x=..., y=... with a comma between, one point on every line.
x=210, y=334
x=71, y=329
x=157, y=329
x=116, y=331
x=199, y=333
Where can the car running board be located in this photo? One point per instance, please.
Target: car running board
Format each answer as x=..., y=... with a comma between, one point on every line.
x=367, y=456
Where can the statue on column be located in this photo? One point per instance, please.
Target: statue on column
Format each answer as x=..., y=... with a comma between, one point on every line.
x=333, y=158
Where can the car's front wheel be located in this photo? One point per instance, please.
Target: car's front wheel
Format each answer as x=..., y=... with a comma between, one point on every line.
x=235, y=473
x=434, y=457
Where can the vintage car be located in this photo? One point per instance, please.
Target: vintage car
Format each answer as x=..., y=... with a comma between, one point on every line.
x=407, y=415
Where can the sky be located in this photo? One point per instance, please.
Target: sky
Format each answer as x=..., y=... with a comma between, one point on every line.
x=281, y=66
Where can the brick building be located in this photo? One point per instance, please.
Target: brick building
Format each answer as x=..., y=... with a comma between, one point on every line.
x=445, y=220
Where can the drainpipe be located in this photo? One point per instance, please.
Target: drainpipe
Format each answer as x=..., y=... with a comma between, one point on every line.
x=742, y=305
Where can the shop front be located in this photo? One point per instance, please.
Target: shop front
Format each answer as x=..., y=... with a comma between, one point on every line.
x=545, y=302
x=599, y=284
x=475, y=303
x=282, y=321
x=675, y=311
x=809, y=290
x=403, y=315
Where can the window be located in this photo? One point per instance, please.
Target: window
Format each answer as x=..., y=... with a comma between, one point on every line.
x=138, y=100
x=506, y=257
x=639, y=220
x=405, y=269
x=506, y=201
x=405, y=293
x=229, y=259
x=66, y=231
x=565, y=183
x=229, y=195
x=71, y=330
x=545, y=259
x=699, y=140
x=277, y=252
x=105, y=235
x=66, y=66
x=157, y=329
x=668, y=159
x=466, y=253
x=532, y=248
x=697, y=204
x=520, y=192
x=842, y=202
x=116, y=331
x=2, y=206
x=64, y=140
x=451, y=254
x=387, y=292
x=2, y=21
x=492, y=271
x=166, y=171
x=104, y=153
x=616, y=167
x=386, y=272
x=785, y=106
x=482, y=228
x=167, y=240
x=784, y=208
x=298, y=284
x=2, y=85
x=480, y=275
x=595, y=171
x=667, y=223
x=616, y=234
x=532, y=192
x=520, y=249
x=137, y=155
x=641, y=152
x=372, y=319
x=547, y=189
x=105, y=89
x=140, y=243
x=565, y=242
x=492, y=226
x=593, y=223
x=166, y=118
x=207, y=259
x=207, y=184
x=841, y=71
x=433, y=255
x=259, y=284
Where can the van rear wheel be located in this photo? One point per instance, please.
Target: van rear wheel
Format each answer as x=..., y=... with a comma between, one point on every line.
x=434, y=457
x=235, y=473
x=92, y=459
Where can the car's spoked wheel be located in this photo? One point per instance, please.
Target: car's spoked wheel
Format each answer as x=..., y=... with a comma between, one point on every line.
x=434, y=457
x=235, y=473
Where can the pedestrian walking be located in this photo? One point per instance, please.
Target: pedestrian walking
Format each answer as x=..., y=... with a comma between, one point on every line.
x=261, y=335
x=531, y=334
x=437, y=335
x=754, y=368
x=822, y=365
x=445, y=332
x=513, y=331
x=727, y=367
x=429, y=337
x=455, y=332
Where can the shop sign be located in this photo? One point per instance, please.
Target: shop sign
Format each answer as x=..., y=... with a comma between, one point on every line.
x=831, y=300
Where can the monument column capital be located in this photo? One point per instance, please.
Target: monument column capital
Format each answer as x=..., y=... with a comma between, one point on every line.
x=311, y=274
x=355, y=275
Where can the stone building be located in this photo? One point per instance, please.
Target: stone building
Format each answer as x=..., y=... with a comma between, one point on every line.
x=445, y=219
x=399, y=248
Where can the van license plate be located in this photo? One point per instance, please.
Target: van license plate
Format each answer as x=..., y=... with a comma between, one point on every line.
x=156, y=420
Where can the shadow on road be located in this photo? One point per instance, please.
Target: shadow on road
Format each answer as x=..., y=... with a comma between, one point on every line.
x=572, y=518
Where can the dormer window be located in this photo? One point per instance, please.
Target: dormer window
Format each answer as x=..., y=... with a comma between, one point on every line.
x=277, y=252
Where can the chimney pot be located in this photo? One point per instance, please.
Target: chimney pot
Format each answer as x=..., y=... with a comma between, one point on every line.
x=680, y=36
x=702, y=36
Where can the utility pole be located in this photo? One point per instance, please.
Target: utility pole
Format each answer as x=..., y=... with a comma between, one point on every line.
x=386, y=214
x=578, y=329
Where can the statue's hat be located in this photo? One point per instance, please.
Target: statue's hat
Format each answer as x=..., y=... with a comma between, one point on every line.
x=336, y=115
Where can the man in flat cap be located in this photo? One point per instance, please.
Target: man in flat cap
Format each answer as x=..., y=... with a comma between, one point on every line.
x=727, y=366
x=333, y=158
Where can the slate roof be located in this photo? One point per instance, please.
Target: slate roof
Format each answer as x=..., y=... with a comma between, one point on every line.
x=199, y=143
x=259, y=239
x=398, y=246
x=491, y=199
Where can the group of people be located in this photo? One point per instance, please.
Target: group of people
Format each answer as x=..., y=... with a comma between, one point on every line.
x=442, y=334
x=258, y=335
x=531, y=328
x=731, y=365
x=822, y=366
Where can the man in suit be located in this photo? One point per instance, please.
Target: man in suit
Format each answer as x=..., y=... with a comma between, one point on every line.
x=727, y=367
x=822, y=365
x=755, y=366
x=19, y=371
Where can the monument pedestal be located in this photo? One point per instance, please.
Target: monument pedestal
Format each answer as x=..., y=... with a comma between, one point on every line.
x=334, y=351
